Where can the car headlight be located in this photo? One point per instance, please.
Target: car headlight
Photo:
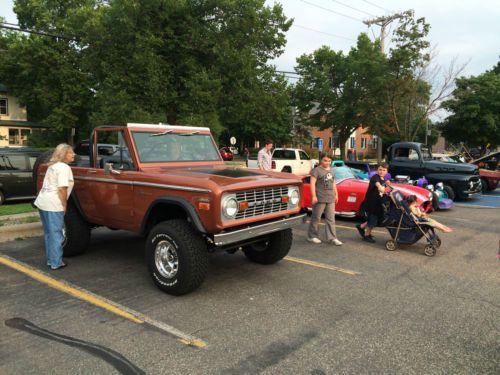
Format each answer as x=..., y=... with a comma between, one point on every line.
x=293, y=196
x=439, y=186
x=229, y=207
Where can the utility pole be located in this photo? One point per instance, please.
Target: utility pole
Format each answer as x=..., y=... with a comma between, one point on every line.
x=383, y=22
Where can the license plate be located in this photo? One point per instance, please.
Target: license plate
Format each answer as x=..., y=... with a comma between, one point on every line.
x=351, y=199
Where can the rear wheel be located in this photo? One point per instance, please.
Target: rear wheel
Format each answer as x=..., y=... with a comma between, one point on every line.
x=449, y=192
x=287, y=169
x=76, y=232
x=390, y=245
x=272, y=250
x=177, y=257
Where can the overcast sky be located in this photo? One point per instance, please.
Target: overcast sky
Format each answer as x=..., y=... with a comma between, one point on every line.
x=464, y=29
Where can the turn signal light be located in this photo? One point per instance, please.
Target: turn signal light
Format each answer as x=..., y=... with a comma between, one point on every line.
x=204, y=206
x=243, y=205
x=285, y=199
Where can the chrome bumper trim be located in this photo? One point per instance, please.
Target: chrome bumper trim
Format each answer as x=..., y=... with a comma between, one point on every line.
x=259, y=230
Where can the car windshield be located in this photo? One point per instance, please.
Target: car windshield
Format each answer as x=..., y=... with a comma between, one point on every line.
x=342, y=173
x=426, y=153
x=174, y=147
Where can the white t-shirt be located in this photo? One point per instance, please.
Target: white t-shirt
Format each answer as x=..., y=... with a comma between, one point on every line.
x=58, y=175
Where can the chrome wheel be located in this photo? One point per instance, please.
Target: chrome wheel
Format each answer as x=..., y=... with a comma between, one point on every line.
x=166, y=259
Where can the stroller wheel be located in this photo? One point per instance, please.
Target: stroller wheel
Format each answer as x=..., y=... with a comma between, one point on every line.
x=430, y=250
x=437, y=242
x=390, y=245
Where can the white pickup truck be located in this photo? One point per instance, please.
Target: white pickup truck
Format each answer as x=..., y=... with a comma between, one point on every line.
x=291, y=160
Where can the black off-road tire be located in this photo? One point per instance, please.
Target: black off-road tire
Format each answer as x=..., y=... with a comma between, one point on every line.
x=76, y=232
x=484, y=186
x=449, y=191
x=275, y=248
x=41, y=159
x=287, y=170
x=176, y=241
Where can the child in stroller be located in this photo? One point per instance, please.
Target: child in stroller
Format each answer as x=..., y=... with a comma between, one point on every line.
x=422, y=216
x=404, y=228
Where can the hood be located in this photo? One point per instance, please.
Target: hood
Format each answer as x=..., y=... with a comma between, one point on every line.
x=222, y=178
x=461, y=168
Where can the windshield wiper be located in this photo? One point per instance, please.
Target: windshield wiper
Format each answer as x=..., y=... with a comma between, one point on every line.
x=187, y=134
x=162, y=133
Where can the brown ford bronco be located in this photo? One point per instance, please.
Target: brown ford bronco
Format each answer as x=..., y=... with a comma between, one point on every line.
x=169, y=183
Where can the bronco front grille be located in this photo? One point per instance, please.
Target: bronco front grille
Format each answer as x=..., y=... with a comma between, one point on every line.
x=262, y=201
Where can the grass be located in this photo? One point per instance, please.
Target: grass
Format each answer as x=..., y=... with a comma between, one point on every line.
x=11, y=209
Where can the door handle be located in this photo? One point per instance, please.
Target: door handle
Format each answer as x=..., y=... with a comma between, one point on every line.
x=91, y=171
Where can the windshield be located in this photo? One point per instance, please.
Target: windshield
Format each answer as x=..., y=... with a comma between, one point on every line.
x=426, y=153
x=342, y=173
x=173, y=147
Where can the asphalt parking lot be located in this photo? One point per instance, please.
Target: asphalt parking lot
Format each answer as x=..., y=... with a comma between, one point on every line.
x=354, y=309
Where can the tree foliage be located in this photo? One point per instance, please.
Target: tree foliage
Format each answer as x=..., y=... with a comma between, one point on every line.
x=475, y=111
x=201, y=62
x=340, y=91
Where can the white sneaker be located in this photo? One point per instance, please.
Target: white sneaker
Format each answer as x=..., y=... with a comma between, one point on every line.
x=314, y=240
x=336, y=242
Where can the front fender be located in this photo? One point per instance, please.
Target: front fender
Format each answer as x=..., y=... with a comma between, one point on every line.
x=179, y=202
x=450, y=179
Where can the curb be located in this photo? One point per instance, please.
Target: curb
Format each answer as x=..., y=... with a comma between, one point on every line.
x=12, y=232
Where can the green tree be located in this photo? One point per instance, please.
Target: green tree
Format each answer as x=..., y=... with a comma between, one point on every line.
x=475, y=111
x=340, y=91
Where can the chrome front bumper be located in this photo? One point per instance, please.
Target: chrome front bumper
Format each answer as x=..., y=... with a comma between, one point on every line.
x=256, y=231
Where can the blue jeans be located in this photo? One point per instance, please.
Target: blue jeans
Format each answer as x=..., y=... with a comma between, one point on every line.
x=53, y=223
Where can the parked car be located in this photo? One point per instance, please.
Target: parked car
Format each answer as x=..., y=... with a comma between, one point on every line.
x=226, y=153
x=16, y=166
x=489, y=170
x=414, y=160
x=169, y=184
x=352, y=191
x=290, y=160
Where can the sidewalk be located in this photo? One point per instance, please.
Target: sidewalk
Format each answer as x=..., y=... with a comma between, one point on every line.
x=12, y=232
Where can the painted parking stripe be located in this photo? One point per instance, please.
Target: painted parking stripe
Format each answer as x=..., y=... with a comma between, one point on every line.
x=321, y=265
x=99, y=301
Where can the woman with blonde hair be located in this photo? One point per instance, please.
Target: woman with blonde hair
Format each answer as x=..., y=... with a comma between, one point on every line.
x=52, y=202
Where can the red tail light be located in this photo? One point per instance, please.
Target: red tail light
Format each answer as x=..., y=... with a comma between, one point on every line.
x=273, y=164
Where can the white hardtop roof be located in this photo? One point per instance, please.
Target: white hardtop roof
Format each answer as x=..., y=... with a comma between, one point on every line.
x=167, y=127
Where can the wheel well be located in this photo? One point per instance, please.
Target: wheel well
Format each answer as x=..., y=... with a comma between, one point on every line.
x=162, y=212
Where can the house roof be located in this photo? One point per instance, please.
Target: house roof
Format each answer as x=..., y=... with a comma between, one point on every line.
x=22, y=124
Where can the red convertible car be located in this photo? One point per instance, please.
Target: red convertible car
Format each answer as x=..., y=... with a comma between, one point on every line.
x=352, y=191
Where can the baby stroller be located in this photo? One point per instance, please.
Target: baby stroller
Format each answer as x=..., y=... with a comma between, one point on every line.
x=404, y=228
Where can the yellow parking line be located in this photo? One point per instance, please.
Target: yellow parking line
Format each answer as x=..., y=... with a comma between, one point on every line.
x=321, y=265
x=99, y=301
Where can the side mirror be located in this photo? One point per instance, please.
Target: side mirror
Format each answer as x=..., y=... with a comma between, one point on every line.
x=108, y=169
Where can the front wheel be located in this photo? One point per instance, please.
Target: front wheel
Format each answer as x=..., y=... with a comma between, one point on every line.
x=272, y=250
x=430, y=250
x=177, y=257
x=390, y=245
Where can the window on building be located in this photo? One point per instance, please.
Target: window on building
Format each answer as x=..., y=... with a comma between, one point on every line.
x=363, y=142
x=4, y=107
x=18, y=137
x=374, y=142
x=352, y=142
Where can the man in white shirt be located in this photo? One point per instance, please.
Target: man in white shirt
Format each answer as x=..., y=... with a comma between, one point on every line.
x=264, y=157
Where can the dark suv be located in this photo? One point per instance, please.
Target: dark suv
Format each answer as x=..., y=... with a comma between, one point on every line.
x=16, y=180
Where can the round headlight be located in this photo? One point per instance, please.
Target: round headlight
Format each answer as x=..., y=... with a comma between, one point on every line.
x=230, y=207
x=294, y=197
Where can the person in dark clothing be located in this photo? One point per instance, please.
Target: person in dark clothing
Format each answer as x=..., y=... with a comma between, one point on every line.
x=372, y=203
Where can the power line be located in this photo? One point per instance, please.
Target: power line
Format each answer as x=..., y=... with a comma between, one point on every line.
x=15, y=27
x=356, y=9
x=322, y=32
x=331, y=11
x=375, y=5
